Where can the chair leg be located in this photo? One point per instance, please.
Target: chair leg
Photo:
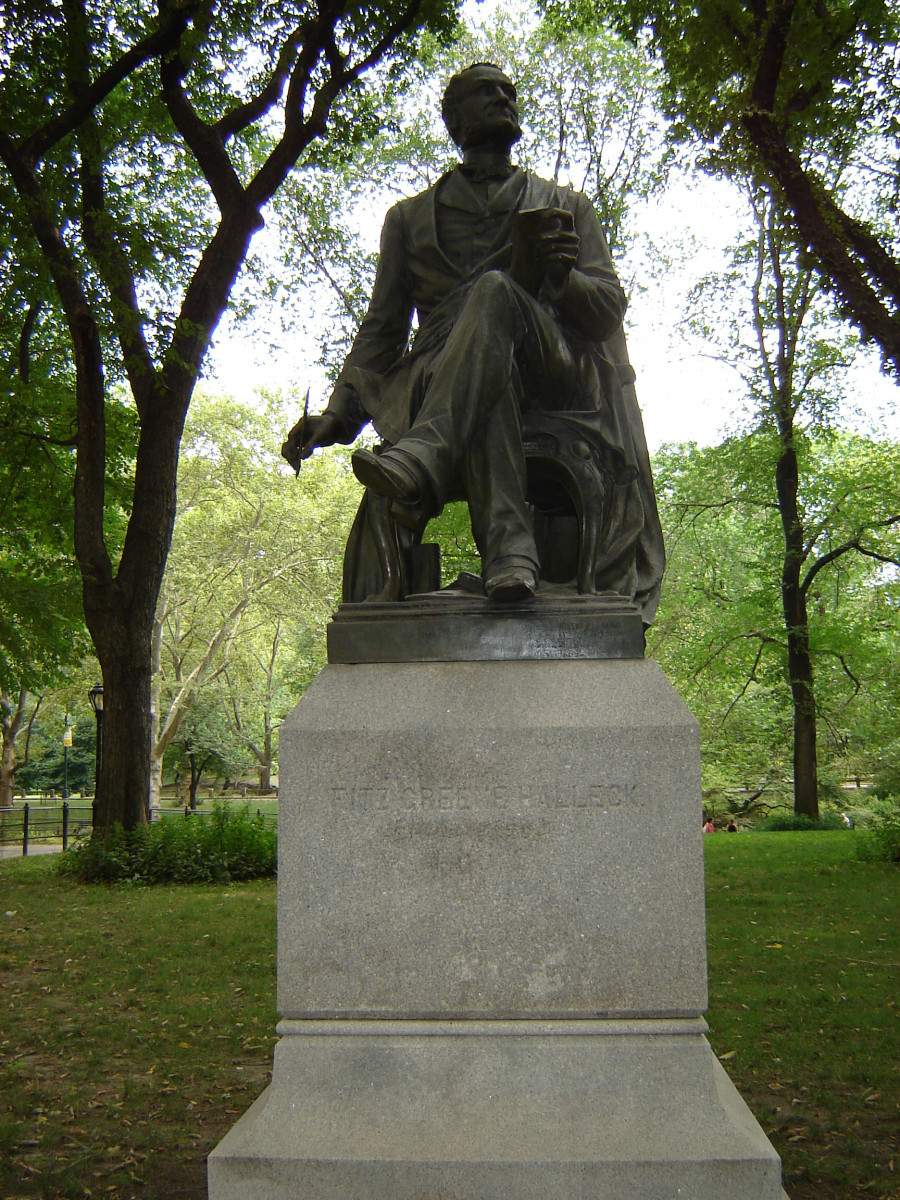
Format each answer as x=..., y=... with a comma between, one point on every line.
x=384, y=532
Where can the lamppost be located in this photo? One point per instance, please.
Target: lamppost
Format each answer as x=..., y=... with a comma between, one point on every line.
x=95, y=695
x=67, y=742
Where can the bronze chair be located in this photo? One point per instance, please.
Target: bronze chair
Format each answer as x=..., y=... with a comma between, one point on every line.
x=569, y=489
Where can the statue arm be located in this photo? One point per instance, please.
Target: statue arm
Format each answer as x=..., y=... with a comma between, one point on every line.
x=591, y=299
x=384, y=333
x=381, y=340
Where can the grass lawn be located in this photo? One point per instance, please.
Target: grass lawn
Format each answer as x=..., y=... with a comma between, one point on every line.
x=804, y=946
x=138, y=1024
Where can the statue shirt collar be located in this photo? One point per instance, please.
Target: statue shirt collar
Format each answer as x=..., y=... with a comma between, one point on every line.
x=455, y=191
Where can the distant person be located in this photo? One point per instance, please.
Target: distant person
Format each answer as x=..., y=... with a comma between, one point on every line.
x=846, y=821
x=710, y=826
x=731, y=827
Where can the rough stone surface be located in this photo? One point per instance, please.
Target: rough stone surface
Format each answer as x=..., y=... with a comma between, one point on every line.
x=517, y=839
x=614, y=1114
x=465, y=842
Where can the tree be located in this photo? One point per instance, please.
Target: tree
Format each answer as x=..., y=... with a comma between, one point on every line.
x=805, y=95
x=201, y=745
x=47, y=765
x=15, y=719
x=721, y=630
x=140, y=152
x=254, y=568
x=791, y=356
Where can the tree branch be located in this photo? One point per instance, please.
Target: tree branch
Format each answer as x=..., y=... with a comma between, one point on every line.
x=771, y=56
x=90, y=547
x=819, y=222
x=204, y=141
x=109, y=259
x=299, y=132
x=28, y=325
x=851, y=544
x=24, y=761
x=751, y=678
x=36, y=146
x=243, y=115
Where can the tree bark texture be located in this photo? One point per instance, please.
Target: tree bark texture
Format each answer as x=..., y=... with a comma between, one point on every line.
x=7, y=765
x=11, y=725
x=861, y=275
x=799, y=662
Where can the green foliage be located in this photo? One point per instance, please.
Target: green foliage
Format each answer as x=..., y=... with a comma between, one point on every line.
x=44, y=769
x=880, y=842
x=253, y=575
x=791, y=822
x=720, y=629
x=42, y=632
x=452, y=530
x=886, y=773
x=228, y=845
x=802, y=97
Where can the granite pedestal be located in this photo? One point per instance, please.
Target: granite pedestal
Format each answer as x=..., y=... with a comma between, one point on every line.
x=491, y=947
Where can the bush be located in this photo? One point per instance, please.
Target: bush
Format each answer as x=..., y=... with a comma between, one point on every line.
x=886, y=775
x=880, y=842
x=227, y=845
x=785, y=822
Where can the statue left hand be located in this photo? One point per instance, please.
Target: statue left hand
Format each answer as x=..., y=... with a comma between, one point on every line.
x=545, y=248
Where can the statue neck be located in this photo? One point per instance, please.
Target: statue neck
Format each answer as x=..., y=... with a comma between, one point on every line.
x=487, y=161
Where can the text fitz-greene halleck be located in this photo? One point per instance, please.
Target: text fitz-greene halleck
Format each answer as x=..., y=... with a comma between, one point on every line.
x=406, y=797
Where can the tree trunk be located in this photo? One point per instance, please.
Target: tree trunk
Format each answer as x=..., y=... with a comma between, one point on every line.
x=196, y=772
x=7, y=770
x=119, y=610
x=156, y=768
x=156, y=754
x=125, y=749
x=10, y=727
x=800, y=672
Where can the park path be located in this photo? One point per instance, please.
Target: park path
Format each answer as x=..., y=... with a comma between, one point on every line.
x=35, y=848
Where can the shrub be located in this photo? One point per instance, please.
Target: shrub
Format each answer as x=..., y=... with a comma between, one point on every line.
x=785, y=822
x=227, y=845
x=886, y=775
x=880, y=842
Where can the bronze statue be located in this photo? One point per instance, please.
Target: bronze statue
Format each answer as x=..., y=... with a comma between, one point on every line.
x=519, y=351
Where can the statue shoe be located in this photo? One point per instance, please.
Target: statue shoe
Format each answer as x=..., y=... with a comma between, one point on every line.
x=510, y=585
x=394, y=477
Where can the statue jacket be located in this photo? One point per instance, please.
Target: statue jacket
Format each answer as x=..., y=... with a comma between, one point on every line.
x=385, y=374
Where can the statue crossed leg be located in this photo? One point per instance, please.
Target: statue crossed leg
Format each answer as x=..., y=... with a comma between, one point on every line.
x=504, y=355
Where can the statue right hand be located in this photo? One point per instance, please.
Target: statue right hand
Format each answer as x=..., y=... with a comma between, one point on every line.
x=321, y=430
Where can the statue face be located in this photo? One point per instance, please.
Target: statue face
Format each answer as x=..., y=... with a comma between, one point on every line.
x=486, y=109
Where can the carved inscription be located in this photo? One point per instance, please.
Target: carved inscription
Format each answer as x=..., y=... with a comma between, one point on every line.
x=483, y=797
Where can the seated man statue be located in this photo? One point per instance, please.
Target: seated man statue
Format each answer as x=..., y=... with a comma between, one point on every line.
x=519, y=312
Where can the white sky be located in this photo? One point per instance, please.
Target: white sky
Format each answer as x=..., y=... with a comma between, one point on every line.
x=684, y=394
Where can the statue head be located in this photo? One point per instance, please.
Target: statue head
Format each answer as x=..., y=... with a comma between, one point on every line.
x=480, y=109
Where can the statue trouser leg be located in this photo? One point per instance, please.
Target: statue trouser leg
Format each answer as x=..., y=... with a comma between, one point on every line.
x=504, y=352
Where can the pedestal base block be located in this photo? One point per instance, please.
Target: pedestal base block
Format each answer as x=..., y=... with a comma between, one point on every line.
x=496, y=1110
